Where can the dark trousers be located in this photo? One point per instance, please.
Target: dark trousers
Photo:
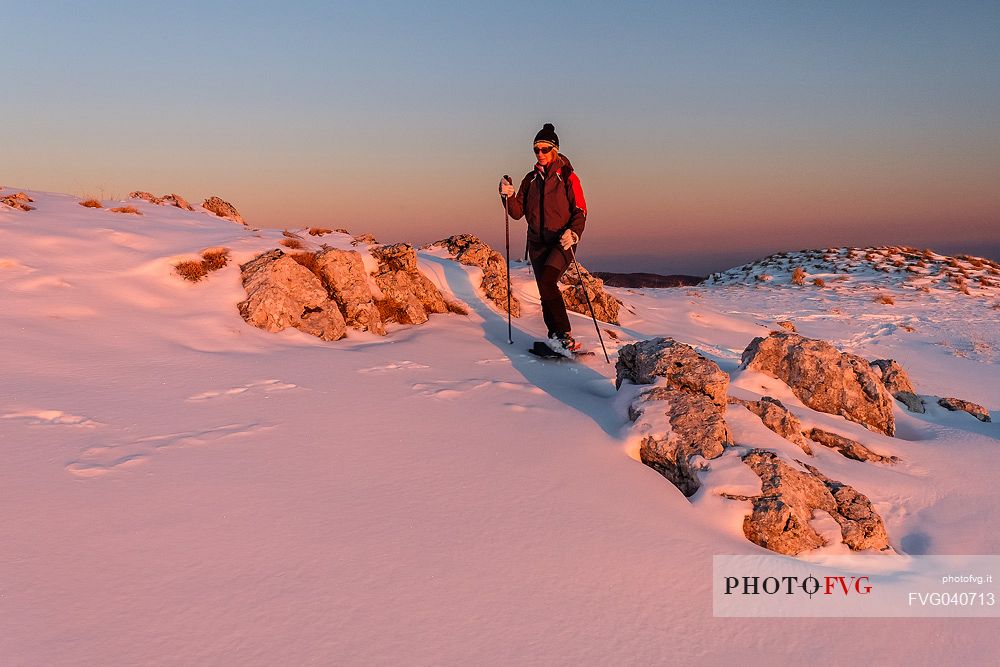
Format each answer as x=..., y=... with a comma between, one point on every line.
x=549, y=264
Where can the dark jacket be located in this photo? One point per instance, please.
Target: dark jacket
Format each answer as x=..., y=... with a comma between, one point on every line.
x=552, y=202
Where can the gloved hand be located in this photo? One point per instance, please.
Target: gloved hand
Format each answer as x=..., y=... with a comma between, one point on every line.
x=506, y=189
x=569, y=238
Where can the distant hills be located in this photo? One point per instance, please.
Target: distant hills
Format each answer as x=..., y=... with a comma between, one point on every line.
x=646, y=279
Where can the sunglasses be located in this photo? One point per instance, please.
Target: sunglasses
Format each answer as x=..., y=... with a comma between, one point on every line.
x=543, y=150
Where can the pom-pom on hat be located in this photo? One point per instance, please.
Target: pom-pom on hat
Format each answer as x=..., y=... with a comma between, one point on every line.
x=548, y=135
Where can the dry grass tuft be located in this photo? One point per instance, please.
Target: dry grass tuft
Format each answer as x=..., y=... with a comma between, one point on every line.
x=884, y=298
x=191, y=270
x=127, y=209
x=798, y=276
x=214, y=259
x=91, y=203
x=456, y=307
x=819, y=282
x=294, y=244
x=319, y=231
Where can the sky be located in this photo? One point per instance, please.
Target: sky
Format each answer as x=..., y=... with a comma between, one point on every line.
x=705, y=134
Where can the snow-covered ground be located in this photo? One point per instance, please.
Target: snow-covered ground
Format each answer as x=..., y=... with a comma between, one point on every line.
x=182, y=488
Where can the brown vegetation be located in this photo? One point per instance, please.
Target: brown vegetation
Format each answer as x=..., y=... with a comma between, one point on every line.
x=91, y=203
x=127, y=209
x=294, y=244
x=214, y=259
x=884, y=298
x=456, y=307
x=819, y=282
x=191, y=270
x=308, y=260
x=319, y=231
x=798, y=276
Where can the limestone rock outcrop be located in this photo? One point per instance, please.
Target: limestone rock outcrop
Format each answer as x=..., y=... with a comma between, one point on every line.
x=223, y=209
x=898, y=383
x=470, y=250
x=974, y=409
x=781, y=515
x=343, y=275
x=605, y=306
x=852, y=449
x=282, y=293
x=676, y=363
x=408, y=296
x=775, y=416
x=824, y=378
x=173, y=199
x=18, y=200
x=680, y=418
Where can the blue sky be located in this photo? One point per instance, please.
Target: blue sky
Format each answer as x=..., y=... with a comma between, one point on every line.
x=704, y=133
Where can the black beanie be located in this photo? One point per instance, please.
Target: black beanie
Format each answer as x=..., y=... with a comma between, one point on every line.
x=547, y=134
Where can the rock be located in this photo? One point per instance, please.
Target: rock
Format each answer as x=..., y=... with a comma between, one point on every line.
x=343, y=274
x=282, y=293
x=223, y=209
x=407, y=295
x=974, y=409
x=780, y=520
x=786, y=324
x=679, y=366
x=471, y=251
x=367, y=239
x=774, y=415
x=175, y=199
x=824, y=378
x=683, y=415
x=605, y=306
x=145, y=196
x=19, y=201
x=860, y=525
x=849, y=448
x=171, y=199
x=898, y=383
x=696, y=428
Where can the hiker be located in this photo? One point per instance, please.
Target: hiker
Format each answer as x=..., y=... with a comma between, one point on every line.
x=551, y=198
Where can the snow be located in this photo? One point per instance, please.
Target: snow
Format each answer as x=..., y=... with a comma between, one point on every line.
x=181, y=488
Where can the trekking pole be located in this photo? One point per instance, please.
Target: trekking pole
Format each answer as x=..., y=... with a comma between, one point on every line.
x=506, y=220
x=579, y=276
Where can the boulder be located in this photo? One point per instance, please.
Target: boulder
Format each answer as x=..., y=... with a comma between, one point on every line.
x=676, y=365
x=471, y=251
x=683, y=415
x=223, y=209
x=282, y=293
x=343, y=274
x=824, y=378
x=774, y=415
x=898, y=383
x=175, y=199
x=781, y=515
x=605, y=306
x=19, y=201
x=974, y=409
x=852, y=449
x=145, y=196
x=696, y=428
x=861, y=527
x=171, y=199
x=408, y=296
x=366, y=239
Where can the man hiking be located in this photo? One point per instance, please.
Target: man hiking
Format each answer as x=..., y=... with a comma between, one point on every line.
x=551, y=198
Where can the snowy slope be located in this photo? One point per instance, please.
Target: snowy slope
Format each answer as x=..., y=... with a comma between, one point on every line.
x=181, y=488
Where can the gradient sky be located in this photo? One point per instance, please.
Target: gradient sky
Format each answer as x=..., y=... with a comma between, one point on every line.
x=705, y=133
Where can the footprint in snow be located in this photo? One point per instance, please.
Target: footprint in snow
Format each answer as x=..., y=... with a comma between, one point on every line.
x=393, y=366
x=262, y=385
x=103, y=459
x=51, y=418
